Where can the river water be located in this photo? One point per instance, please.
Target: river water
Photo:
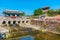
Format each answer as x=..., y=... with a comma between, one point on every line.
x=29, y=37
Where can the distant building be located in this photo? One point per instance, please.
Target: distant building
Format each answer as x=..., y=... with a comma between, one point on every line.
x=45, y=9
x=12, y=13
x=13, y=17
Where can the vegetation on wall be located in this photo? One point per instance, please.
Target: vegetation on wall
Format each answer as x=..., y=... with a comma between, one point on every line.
x=22, y=14
x=51, y=12
x=38, y=12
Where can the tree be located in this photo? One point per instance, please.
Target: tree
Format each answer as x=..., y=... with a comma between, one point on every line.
x=51, y=13
x=58, y=11
x=38, y=12
x=22, y=14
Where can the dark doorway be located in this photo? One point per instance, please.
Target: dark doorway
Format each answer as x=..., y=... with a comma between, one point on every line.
x=22, y=21
x=26, y=21
x=9, y=22
x=14, y=22
x=18, y=21
x=13, y=14
x=4, y=22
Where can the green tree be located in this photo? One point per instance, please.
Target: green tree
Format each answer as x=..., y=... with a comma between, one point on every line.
x=58, y=11
x=22, y=14
x=38, y=12
x=52, y=13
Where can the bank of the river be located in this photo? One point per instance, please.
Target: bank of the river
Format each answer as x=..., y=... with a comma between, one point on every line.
x=41, y=36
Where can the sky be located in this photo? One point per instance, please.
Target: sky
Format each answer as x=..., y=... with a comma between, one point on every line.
x=28, y=6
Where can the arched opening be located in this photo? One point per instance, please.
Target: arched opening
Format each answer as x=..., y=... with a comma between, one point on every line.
x=22, y=21
x=13, y=14
x=4, y=22
x=26, y=21
x=18, y=21
x=8, y=14
x=9, y=22
x=17, y=14
x=14, y=22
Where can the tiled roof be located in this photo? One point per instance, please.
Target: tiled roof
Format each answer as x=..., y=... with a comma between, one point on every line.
x=13, y=11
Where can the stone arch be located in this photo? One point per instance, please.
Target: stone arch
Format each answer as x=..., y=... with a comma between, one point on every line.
x=14, y=22
x=4, y=22
x=18, y=21
x=9, y=22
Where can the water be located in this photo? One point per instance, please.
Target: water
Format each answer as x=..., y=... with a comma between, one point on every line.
x=27, y=38
x=22, y=38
